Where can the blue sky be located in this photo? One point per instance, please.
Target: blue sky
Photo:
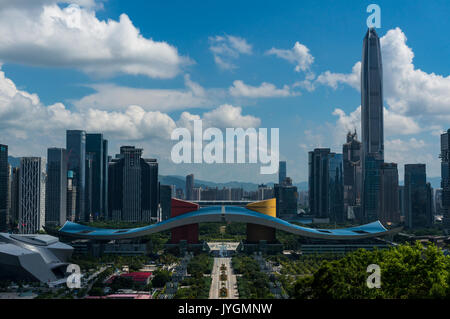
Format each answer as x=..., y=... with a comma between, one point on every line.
x=197, y=52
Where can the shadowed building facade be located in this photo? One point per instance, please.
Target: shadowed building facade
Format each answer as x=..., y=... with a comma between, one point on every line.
x=351, y=152
x=76, y=152
x=133, y=186
x=97, y=147
x=445, y=177
x=4, y=176
x=418, y=208
x=56, y=187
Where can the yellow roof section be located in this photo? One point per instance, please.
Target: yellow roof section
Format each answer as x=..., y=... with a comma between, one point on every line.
x=266, y=207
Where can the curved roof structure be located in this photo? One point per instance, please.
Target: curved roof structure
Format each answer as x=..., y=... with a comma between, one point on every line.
x=226, y=214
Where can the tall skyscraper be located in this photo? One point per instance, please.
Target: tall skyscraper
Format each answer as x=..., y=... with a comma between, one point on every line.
x=286, y=196
x=133, y=186
x=335, y=188
x=89, y=187
x=4, y=177
x=282, y=172
x=389, y=208
x=71, y=197
x=417, y=210
x=189, y=186
x=56, y=187
x=351, y=152
x=31, y=195
x=98, y=147
x=14, y=213
x=105, y=162
x=165, y=198
x=371, y=124
x=76, y=152
x=445, y=177
x=318, y=182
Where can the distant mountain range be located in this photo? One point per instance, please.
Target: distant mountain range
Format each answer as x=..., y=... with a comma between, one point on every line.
x=180, y=181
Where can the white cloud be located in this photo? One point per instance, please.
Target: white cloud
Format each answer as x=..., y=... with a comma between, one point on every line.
x=29, y=127
x=230, y=116
x=228, y=48
x=114, y=97
x=412, y=151
x=222, y=117
x=240, y=89
x=298, y=55
x=334, y=79
x=394, y=124
x=74, y=37
x=414, y=97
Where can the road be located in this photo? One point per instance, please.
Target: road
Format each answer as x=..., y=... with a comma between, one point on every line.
x=230, y=283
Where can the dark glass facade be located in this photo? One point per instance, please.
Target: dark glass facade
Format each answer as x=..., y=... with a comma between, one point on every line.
x=165, y=198
x=416, y=196
x=318, y=182
x=97, y=146
x=56, y=187
x=4, y=183
x=133, y=186
x=445, y=178
x=281, y=172
x=189, y=186
x=335, y=188
x=76, y=152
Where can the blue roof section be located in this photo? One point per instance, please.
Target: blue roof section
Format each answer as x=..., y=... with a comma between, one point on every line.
x=230, y=213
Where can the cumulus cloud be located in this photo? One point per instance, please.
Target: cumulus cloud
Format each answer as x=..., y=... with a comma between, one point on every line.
x=114, y=97
x=334, y=79
x=222, y=117
x=408, y=91
x=24, y=117
x=74, y=37
x=394, y=124
x=298, y=55
x=228, y=48
x=29, y=126
x=240, y=89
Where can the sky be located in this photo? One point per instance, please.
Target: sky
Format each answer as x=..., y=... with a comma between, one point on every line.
x=136, y=70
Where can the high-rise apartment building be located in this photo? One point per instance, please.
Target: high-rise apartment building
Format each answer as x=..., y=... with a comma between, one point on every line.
x=56, y=187
x=31, y=195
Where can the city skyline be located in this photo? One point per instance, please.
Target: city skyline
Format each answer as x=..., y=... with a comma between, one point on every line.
x=293, y=74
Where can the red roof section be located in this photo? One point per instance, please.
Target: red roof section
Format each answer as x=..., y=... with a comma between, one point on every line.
x=180, y=207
